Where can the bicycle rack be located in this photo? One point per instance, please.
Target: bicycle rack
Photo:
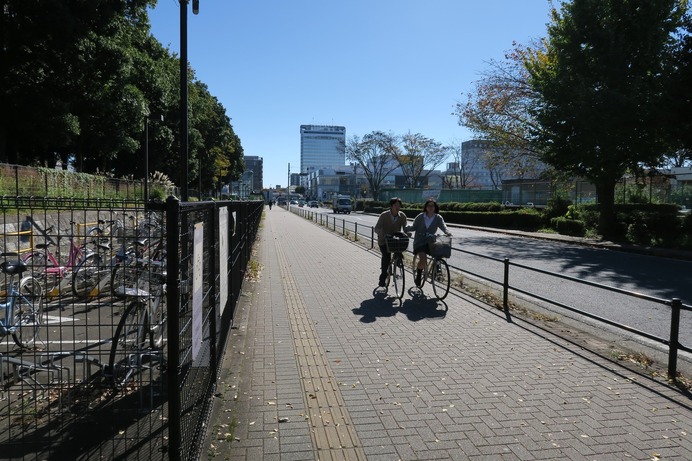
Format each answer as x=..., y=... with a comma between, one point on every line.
x=138, y=359
x=24, y=370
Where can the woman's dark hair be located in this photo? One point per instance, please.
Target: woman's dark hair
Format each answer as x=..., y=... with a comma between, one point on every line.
x=394, y=200
x=437, y=208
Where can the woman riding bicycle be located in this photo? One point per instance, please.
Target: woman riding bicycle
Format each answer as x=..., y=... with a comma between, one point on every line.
x=424, y=225
x=390, y=222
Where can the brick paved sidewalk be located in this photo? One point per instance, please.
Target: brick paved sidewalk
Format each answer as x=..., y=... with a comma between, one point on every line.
x=318, y=367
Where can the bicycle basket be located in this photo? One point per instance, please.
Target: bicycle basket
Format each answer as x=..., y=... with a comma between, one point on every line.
x=397, y=243
x=441, y=247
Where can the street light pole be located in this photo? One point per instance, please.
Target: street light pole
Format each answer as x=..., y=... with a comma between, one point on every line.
x=184, y=136
x=288, y=189
x=146, y=161
x=183, y=101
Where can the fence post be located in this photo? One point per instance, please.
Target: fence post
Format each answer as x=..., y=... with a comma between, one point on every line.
x=505, y=287
x=676, y=305
x=173, y=301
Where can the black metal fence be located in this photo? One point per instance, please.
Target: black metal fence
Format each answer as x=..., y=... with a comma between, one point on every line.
x=204, y=246
x=136, y=310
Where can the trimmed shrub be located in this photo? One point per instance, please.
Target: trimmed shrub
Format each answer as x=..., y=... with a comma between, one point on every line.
x=520, y=220
x=566, y=226
x=557, y=206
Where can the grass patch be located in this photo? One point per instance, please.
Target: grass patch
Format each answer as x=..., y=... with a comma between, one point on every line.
x=493, y=300
x=254, y=268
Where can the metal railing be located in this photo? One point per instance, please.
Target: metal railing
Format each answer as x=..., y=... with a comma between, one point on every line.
x=676, y=306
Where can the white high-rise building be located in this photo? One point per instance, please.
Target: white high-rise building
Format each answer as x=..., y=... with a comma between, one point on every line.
x=322, y=146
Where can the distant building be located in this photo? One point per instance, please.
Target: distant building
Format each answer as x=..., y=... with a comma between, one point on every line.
x=473, y=166
x=322, y=146
x=475, y=172
x=255, y=164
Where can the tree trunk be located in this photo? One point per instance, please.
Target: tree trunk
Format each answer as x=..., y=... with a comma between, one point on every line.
x=607, y=224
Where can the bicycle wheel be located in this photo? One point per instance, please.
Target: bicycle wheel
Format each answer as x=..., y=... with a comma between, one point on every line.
x=129, y=341
x=86, y=275
x=440, y=278
x=43, y=269
x=398, y=275
x=28, y=312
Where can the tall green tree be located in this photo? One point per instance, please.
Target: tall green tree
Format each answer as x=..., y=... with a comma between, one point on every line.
x=63, y=86
x=79, y=79
x=601, y=88
x=679, y=102
x=211, y=136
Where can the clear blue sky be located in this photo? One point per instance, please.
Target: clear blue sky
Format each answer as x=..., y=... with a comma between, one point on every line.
x=369, y=65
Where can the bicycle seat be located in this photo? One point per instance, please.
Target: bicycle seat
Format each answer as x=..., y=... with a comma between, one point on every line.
x=13, y=267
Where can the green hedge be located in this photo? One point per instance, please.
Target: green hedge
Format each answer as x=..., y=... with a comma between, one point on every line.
x=530, y=221
x=565, y=226
x=639, y=224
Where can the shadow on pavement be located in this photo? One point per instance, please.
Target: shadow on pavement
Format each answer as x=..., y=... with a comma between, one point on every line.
x=421, y=307
x=380, y=305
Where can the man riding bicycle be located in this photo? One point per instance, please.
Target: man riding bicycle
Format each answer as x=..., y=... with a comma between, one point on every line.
x=390, y=222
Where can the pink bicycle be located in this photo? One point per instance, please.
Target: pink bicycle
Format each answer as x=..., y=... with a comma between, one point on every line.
x=46, y=266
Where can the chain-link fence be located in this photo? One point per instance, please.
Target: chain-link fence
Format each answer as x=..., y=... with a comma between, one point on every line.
x=115, y=319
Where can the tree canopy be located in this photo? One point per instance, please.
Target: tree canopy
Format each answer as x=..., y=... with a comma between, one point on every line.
x=375, y=154
x=498, y=111
x=600, y=86
x=80, y=77
x=418, y=156
x=605, y=93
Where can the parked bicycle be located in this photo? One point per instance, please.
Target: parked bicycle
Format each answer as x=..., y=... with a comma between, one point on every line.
x=141, y=255
x=436, y=271
x=141, y=335
x=396, y=273
x=47, y=266
x=94, y=272
x=24, y=302
x=101, y=272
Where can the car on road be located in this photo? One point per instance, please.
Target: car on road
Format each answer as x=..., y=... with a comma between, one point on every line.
x=313, y=204
x=301, y=203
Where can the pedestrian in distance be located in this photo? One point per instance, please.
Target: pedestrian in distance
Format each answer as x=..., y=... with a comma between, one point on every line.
x=426, y=225
x=271, y=202
x=390, y=222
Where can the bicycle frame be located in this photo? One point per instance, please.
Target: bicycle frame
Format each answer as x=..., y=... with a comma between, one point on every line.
x=54, y=268
x=22, y=317
x=7, y=326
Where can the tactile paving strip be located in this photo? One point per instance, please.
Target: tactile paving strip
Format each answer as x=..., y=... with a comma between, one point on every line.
x=333, y=433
